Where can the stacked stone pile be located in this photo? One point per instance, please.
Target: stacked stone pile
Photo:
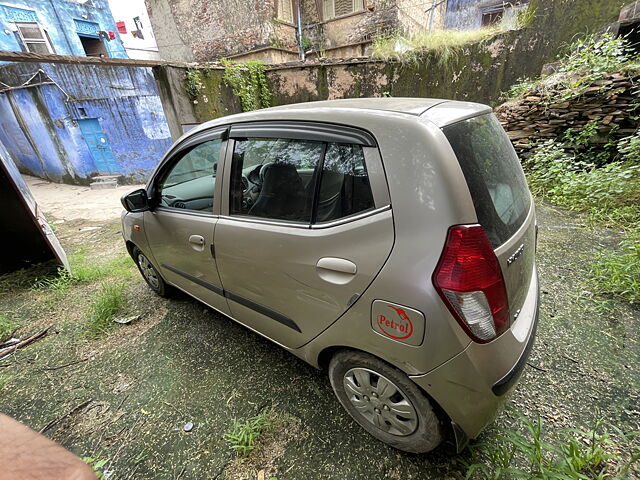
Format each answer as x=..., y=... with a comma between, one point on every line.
x=613, y=102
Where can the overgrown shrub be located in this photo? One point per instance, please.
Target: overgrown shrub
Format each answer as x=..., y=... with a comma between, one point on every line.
x=557, y=175
x=610, y=194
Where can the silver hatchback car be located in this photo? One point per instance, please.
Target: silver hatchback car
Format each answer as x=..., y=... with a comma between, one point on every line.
x=390, y=241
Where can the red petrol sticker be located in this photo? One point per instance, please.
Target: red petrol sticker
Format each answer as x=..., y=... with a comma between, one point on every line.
x=398, y=328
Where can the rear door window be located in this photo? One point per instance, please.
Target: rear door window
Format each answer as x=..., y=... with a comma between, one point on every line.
x=493, y=173
x=344, y=183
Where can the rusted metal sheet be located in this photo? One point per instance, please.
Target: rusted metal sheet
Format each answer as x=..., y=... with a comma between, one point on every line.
x=25, y=236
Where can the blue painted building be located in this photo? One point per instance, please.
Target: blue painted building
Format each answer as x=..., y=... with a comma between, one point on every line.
x=63, y=27
x=69, y=122
x=474, y=14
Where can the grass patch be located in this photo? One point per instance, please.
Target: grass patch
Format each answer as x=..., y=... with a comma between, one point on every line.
x=7, y=327
x=84, y=270
x=444, y=43
x=574, y=454
x=243, y=435
x=618, y=273
x=109, y=302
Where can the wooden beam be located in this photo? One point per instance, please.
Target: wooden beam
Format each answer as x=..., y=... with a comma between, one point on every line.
x=29, y=57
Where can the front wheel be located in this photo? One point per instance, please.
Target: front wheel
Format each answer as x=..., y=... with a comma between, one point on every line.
x=385, y=402
x=149, y=273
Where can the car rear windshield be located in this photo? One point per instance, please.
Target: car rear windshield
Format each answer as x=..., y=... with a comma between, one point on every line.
x=493, y=173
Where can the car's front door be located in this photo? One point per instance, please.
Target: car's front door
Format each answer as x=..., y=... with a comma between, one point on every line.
x=181, y=226
x=302, y=232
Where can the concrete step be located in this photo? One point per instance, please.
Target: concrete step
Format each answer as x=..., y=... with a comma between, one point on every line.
x=103, y=185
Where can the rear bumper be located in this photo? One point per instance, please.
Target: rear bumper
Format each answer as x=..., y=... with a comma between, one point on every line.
x=472, y=387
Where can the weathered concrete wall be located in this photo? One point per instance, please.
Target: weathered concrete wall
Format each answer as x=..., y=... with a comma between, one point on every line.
x=203, y=30
x=62, y=23
x=477, y=72
x=467, y=14
x=39, y=123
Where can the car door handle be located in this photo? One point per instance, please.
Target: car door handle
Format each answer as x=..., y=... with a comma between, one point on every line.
x=197, y=242
x=336, y=270
x=196, y=239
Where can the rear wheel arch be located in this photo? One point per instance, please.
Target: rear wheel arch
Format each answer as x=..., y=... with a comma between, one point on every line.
x=325, y=356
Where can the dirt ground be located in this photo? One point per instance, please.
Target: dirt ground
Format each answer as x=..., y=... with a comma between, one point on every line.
x=70, y=202
x=182, y=362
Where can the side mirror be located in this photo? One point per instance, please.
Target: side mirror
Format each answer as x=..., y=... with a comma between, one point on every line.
x=136, y=201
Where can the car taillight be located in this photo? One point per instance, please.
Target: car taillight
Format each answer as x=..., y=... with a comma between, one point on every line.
x=469, y=280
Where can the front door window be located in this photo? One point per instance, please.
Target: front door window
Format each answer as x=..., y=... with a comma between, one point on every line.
x=190, y=182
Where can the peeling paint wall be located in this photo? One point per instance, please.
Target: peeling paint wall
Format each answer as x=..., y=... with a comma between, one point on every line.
x=44, y=120
x=63, y=21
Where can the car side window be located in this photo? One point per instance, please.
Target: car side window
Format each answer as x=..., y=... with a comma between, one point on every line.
x=274, y=178
x=189, y=184
x=344, y=183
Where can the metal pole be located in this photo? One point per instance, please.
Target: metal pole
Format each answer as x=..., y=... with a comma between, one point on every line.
x=302, y=55
x=433, y=7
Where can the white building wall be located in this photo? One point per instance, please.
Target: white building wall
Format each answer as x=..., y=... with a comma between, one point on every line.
x=128, y=11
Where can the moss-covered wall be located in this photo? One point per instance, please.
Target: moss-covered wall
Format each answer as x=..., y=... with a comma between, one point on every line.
x=477, y=72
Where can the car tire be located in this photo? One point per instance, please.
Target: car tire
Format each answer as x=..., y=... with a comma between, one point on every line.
x=149, y=273
x=385, y=402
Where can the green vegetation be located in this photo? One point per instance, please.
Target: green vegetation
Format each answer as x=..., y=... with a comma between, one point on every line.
x=109, y=301
x=243, y=435
x=7, y=327
x=574, y=454
x=526, y=16
x=445, y=44
x=83, y=271
x=97, y=464
x=618, y=273
x=193, y=83
x=609, y=194
x=248, y=82
x=584, y=62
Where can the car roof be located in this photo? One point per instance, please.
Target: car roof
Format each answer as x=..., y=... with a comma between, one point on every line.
x=439, y=111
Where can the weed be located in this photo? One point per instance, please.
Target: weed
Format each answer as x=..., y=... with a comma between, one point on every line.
x=7, y=327
x=248, y=82
x=445, y=44
x=618, y=272
x=193, y=83
x=243, y=435
x=526, y=16
x=526, y=454
x=97, y=464
x=585, y=61
x=596, y=55
x=559, y=176
x=84, y=270
x=108, y=303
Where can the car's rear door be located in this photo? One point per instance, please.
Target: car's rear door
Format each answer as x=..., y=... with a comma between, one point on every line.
x=305, y=225
x=501, y=198
x=180, y=228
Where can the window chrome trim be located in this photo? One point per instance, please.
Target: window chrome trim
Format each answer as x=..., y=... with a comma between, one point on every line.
x=263, y=221
x=162, y=208
x=316, y=226
x=351, y=218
